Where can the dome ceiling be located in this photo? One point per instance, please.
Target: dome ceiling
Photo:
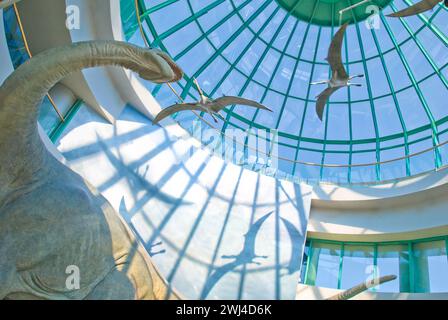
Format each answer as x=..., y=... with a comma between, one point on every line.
x=331, y=12
x=263, y=50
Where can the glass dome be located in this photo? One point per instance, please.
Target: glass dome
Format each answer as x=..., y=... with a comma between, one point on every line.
x=394, y=126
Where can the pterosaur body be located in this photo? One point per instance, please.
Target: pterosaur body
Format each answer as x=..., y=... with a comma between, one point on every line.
x=339, y=78
x=417, y=8
x=205, y=104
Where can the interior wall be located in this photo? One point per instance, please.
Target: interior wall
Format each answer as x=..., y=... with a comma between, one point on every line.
x=213, y=229
x=408, y=209
x=405, y=222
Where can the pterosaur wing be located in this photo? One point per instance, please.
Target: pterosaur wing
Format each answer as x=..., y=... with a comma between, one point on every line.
x=225, y=101
x=415, y=9
x=322, y=100
x=335, y=53
x=173, y=109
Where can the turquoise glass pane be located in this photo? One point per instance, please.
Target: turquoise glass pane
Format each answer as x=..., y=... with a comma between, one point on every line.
x=327, y=264
x=431, y=267
x=392, y=260
x=357, y=265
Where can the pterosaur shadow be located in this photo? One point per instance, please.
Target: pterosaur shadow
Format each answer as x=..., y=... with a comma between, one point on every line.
x=247, y=255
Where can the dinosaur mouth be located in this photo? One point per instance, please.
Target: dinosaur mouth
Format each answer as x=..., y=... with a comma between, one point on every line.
x=176, y=69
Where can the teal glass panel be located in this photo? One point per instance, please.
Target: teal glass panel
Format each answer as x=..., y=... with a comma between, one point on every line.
x=357, y=265
x=128, y=18
x=326, y=262
x=431, y=267
x=48, y=118
x=393, y=260
x=421, y=266
x=306, y=254
x=14, y=38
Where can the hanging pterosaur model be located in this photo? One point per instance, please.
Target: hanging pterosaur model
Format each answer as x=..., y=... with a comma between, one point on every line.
x=360, y=288
x=417, y=8
x=205, y=104
x=339, y=78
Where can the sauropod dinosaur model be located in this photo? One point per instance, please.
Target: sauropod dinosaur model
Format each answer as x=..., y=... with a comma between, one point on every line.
x=52, y=221
x=360, y=288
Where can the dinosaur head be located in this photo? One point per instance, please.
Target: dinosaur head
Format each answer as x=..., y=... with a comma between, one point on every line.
x=171, y=72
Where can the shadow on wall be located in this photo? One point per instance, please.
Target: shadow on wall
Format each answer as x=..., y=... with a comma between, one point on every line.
x=194, y=212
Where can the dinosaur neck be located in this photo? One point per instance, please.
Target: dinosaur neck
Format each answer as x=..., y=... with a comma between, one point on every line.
x=22, y=152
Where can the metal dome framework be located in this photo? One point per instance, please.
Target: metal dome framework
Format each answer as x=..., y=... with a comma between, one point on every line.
x=331, y=10
x=259, y=50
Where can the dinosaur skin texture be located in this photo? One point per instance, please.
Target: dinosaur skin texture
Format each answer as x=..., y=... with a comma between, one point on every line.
x=51, y=218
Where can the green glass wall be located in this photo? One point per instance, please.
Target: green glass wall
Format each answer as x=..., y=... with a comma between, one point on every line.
x=420, y=265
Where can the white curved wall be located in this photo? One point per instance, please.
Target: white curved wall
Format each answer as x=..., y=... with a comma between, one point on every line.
x=215, y=230
x=409, y=209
